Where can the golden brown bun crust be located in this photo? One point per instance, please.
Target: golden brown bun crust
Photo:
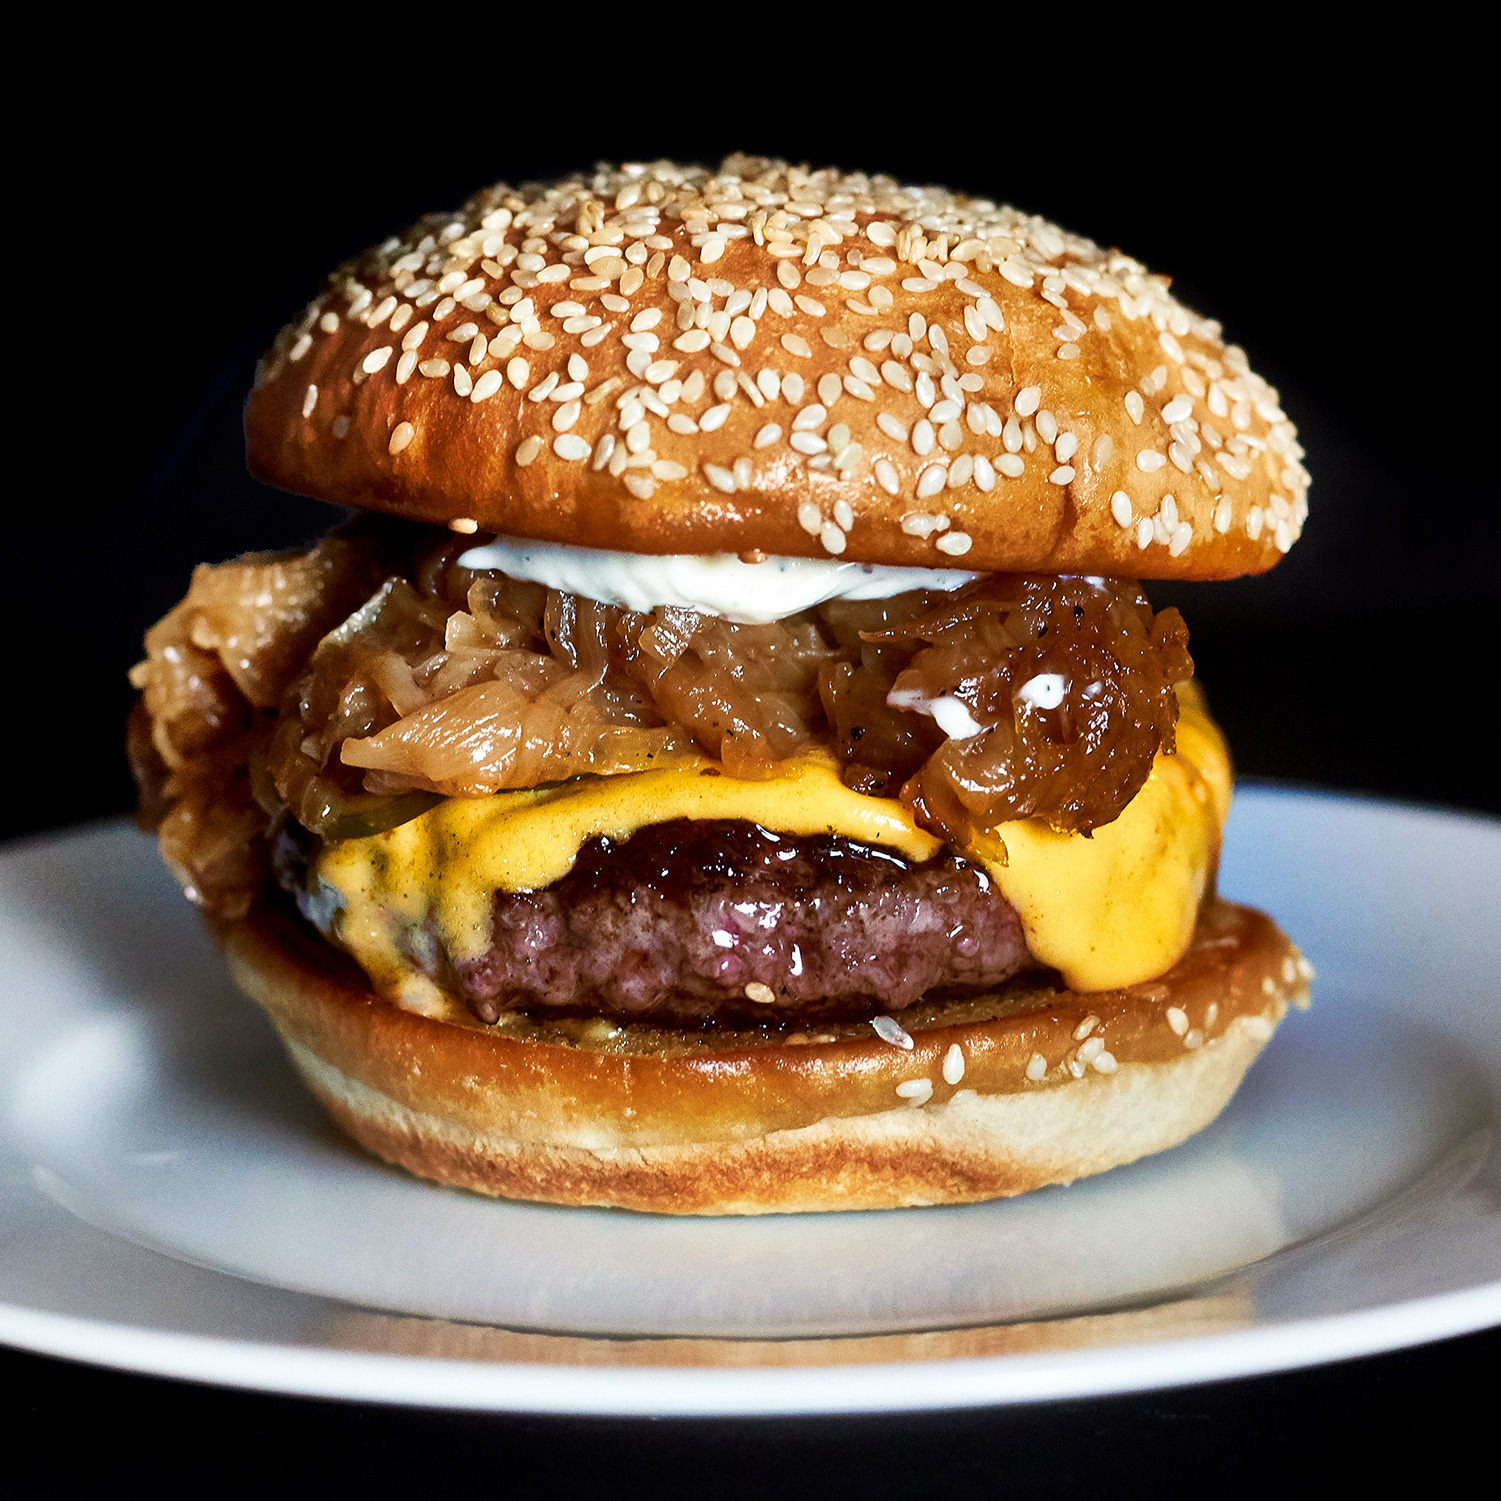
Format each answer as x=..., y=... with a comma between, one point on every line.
x=369, y=399
x=776, y=1126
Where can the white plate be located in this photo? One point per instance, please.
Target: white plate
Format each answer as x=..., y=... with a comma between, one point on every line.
x=171, y=1201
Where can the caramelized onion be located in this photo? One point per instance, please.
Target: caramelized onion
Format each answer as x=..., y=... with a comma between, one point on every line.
x=351, y=685
x=1067, y=682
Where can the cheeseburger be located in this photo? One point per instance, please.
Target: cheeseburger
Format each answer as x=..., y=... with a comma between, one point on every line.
x=728, y=763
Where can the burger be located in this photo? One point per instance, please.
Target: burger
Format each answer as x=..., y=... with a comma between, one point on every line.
x=725, y=762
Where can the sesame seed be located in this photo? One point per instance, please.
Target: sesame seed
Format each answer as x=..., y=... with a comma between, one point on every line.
x=1037, y=1067
x=1010, y=464
x=527, y=450
x=720, y=478
x=1120, y=508
x=401, y=435
x=1149, y=461
x=464, y=525
x=889, y=1030
x=762, y=995
x=953, y=1064
x=309, y=401
x=486, y=386
x=955, y=544
x=1061, y=475
x=917, y=1091
x=831, y=538
x=931, y=481
x=810, y=518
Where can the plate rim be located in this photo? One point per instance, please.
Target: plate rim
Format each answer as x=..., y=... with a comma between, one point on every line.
x=695, y=1390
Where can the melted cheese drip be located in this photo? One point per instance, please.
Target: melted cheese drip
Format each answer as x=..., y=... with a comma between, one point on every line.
x=1114, y=909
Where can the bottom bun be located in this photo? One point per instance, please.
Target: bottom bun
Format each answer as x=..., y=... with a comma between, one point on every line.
x=1030, y=1086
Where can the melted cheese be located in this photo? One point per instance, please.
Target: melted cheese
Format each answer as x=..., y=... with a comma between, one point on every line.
x=1113, y=909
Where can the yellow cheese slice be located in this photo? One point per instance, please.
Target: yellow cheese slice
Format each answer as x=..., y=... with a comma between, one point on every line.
x=1112, y=909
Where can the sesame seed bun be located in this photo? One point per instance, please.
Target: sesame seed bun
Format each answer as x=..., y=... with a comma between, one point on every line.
x=664, y=360
x=992, y=1097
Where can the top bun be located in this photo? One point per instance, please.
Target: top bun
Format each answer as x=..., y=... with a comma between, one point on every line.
x=662, y=359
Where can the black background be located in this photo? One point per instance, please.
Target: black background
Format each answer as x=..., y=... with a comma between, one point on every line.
x=1319, y=197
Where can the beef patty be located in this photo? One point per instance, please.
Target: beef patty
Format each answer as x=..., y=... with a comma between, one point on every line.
x=689, y=920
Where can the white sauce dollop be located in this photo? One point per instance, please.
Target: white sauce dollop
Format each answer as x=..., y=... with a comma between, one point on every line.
x=716, y=584
x=950, y=714
x=1046, y=691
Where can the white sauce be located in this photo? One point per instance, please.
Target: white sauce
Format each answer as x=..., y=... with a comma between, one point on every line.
x=1046, y=691
x=717, y=584
x=950, y=714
